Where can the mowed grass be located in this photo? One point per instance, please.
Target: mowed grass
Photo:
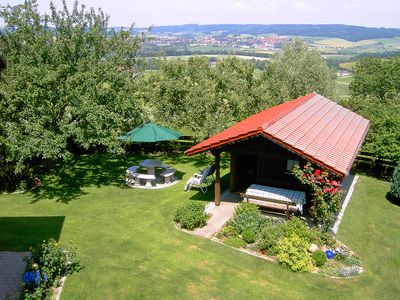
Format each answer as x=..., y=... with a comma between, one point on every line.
x=131, y=250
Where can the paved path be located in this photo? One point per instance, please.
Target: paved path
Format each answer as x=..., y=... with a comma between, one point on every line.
x=220, y=215
x=11, y=270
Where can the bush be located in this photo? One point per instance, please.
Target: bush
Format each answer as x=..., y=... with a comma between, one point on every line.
x=191, y=216
x=296, y=227
x=292, y=252
x=321, y=237
x=249, y=236
x=269, y=236
x=235, y=242
x=11, y=181
x=395, y=186
x=252, y=220
x=319, y=258
x=228, y=231
x=245, y=207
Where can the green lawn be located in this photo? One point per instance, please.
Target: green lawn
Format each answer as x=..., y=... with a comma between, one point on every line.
x=342, y=84
x=131, y=250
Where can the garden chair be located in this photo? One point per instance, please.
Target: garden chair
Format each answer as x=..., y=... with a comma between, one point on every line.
x=200, y=180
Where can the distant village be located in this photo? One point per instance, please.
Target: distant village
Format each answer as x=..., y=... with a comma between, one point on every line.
x=242, y=41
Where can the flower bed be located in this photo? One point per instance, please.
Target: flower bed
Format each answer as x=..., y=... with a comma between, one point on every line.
x=47, y=265
x=291, y=243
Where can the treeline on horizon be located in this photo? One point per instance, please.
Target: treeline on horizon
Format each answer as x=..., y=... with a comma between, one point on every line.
x=80, y=86
x=347, y=32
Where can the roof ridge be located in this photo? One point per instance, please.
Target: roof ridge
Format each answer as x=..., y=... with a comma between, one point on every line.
x=305, y=99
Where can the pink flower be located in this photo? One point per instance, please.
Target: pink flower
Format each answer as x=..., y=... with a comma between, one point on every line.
x=327, y=190
x=317, y=172
x=334, y=183
x=322, y=181
x=334, y=191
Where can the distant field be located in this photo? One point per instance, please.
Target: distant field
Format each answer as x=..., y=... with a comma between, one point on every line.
x=341, y=43
x=390, y=42
x=348, y=65
x=342, y=84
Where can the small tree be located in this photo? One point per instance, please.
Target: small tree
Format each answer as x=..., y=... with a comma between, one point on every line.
x=395, y=187
x=324, y=188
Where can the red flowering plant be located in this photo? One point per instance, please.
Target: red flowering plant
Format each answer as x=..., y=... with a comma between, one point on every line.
x=325, y=192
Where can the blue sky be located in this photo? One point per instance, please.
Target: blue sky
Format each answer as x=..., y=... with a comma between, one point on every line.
x=376, y=13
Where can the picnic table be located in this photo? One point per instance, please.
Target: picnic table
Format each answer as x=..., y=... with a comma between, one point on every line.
x=151, y=165
x=134, y=177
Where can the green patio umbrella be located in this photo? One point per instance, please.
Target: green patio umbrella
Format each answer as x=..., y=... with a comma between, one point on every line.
x=150, y=133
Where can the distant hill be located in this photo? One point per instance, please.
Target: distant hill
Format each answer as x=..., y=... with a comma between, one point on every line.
x=347, y=32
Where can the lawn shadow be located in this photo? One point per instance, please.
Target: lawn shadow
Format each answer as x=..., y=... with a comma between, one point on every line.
x=392, y=199
x=19, y=233
x=209, y=194
x=68, y=182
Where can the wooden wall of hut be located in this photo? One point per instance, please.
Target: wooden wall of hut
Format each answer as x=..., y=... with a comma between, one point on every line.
x=259, y=160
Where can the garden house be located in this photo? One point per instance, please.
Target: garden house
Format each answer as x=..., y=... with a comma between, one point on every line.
x=264, y=147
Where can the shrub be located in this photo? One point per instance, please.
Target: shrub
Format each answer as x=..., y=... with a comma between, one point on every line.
x=252, y=220
x=325, y=191
x=321, y=237
x=395, y=186
x=296, y=227
x=292, y=252
x=249, y=236
x=235, y=242
x=245, y=207
x=269, y=236
x=10, y=180
x=319, y=258
x=191, y=216
x=228, y=231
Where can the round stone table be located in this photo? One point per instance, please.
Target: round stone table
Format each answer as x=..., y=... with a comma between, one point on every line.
x=151, y=165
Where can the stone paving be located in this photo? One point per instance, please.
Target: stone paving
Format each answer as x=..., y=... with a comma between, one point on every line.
x=219, y=215
x=11, y=270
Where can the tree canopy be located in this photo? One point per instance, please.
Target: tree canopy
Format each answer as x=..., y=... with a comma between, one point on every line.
x=297, y=71
x=375, y=95
x=69, y=78
x=200, y=99
x=376, y=77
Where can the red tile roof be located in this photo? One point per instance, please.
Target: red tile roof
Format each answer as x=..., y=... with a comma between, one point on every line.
x=312, y=126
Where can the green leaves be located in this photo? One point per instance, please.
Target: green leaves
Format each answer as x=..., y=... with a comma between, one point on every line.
x=376, y=77
x=199, y=99
x=68, y=79
x=298, y=71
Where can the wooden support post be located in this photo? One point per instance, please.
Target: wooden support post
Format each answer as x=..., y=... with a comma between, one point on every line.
x=287, y=211
x=217, y=195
